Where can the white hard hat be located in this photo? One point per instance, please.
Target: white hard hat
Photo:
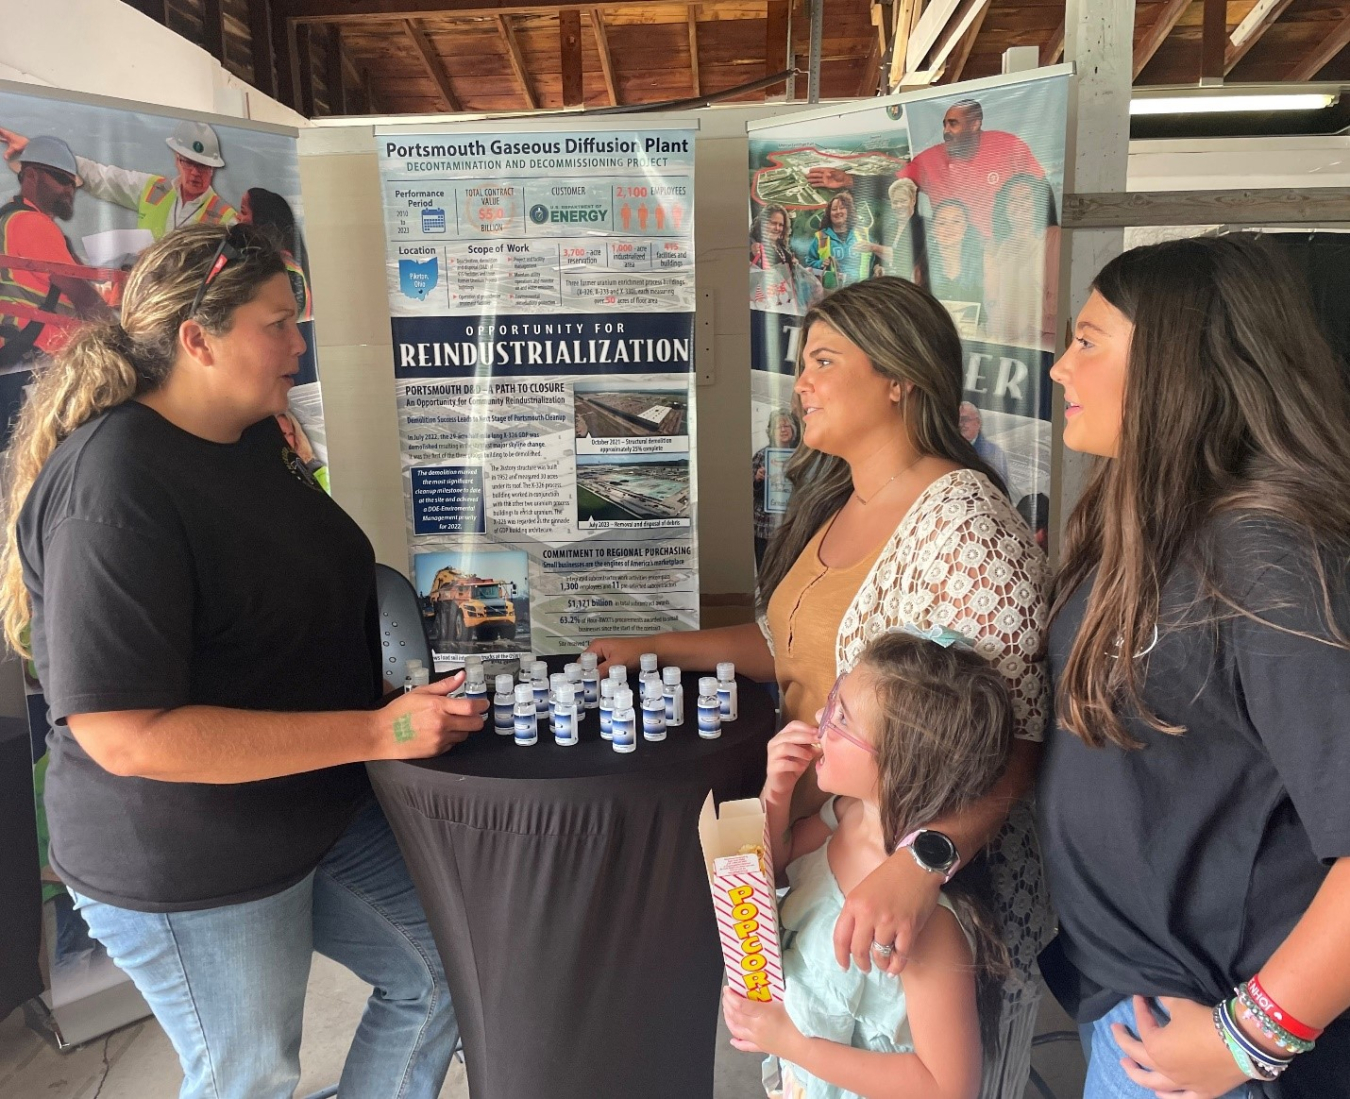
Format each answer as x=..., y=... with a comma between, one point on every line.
x=196, y=141
x=51, y=152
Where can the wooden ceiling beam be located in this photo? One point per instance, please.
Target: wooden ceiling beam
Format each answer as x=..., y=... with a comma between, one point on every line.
x=517, y=60
x=155, y=9
x=907, y=15
x=434, y=66
x=386, y=11
x=262, y=47
x=213, y=29
x=1248, y=33
x=966, y=14
x=606, y=60
x=695, y=79
x=335, y=80
x=368, y=90
x=305, y=64
x=957, y=65
x=775, y=40
x=1053, y=47
x=287, y=57
x=1213, y=40
x=569, y=47
x=1309, y=66
x=1157, y=34
x=871, y=76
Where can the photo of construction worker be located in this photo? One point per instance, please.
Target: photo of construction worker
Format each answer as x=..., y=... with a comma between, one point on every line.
x=44, y=288
x=161, y=202
x=270, y=212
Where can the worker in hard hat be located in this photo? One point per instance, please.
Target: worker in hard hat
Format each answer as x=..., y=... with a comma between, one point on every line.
x=48, y=179
x=162, y=203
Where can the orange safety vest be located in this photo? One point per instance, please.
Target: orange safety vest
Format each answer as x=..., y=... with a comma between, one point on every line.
x=17, y=336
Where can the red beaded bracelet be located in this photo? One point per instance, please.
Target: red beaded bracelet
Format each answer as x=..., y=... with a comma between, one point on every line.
x=1279, y=1015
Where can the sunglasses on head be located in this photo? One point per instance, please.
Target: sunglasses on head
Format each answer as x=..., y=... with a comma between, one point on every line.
x=829, y=724
x=231, y=248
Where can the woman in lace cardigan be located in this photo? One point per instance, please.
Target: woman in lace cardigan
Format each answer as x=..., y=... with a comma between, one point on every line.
x=895, y=520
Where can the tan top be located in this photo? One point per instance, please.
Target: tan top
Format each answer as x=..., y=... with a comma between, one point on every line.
x=805, y=612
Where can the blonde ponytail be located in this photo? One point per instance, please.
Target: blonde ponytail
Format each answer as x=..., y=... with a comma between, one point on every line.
x=105, y=365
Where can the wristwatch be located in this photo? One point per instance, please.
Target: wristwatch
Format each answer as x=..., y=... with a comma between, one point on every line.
x=934, y=851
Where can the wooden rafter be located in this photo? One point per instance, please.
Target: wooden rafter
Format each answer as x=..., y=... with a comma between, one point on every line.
x=368, y=89
x=261, y=47
x=386, y=11
x=695, y=79
x=960, y=20
x=606, y=61
x=213, y=28
x=1053, y=47
x=432, y=63
x=1157, y=34
x=335, y=80
x=305, y=63
x=517, y=60
x=569, y=47
x=907, y=14
x=1310, y=65
x=1213, y=39
x=288, y=58
x=155, y=9
x=1248, y=33
x=867, y=82
x=775, y=40
x=957, y=63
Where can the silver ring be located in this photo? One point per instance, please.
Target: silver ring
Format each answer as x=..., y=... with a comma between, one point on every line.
x=885, y=950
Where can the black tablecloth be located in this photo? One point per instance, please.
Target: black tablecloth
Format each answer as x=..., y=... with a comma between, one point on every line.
x=20, y=887
x=567, y=893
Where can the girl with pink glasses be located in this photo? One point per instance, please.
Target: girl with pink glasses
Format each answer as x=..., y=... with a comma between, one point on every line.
x=920, y=728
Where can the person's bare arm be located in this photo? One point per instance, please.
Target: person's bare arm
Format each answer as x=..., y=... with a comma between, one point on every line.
x=694, y=650
x=213, y=744
x=892, y=904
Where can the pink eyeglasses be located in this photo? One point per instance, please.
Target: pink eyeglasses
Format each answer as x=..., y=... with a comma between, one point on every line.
x=828, y=724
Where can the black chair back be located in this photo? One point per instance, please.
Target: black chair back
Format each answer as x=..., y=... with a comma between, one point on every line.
x=401, y=635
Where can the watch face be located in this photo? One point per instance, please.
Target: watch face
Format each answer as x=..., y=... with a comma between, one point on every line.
x=935, y=850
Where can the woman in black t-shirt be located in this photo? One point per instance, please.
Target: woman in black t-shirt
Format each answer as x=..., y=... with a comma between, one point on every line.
x=1194, y=799
x=203, y=621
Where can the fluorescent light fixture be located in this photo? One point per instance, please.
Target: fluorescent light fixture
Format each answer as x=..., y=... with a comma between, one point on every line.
x=1228, y=104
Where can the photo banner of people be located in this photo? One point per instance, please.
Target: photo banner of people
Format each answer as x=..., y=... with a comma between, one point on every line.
x=542, y=292
x=88, y=186
x=957, y=190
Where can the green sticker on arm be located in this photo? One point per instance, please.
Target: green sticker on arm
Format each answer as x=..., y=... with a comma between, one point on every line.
x=403, y=729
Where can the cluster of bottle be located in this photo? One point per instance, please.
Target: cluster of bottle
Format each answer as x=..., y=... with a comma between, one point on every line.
x=563, y=697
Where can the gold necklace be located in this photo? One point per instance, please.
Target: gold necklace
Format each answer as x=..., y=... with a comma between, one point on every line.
x=880, y=490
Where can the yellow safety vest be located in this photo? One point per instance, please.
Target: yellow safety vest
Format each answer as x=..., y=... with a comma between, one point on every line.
x=156, y=204
x=304, y=302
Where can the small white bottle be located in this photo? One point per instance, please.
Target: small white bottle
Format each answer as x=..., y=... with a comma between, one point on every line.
x=409, y=667
x=648, y=662
x=606, y=704
x=728, y=699
x=709, y=709
x=590, y=680
x=653, y=711
x=555, y=682
x=673, y=696
x=475, y=684
x=526, y=723
x=565, y=715
x=624, y=722
x=504, y=705
x=573, y=673
x=619, y=673
x=539, y=682
x=418, y=677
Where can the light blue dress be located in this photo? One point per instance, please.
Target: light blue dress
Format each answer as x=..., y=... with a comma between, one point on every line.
x=863, y=1010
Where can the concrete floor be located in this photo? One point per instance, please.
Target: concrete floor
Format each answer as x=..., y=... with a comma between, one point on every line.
x=138, y=1063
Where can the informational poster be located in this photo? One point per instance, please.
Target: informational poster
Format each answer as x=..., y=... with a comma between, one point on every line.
x=957, y=189
x=542, y=292
x=84, y=189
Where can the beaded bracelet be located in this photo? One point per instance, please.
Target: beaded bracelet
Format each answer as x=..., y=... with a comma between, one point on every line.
x=1280, y=1035
x=1263, y=1000
x=1263, y=1065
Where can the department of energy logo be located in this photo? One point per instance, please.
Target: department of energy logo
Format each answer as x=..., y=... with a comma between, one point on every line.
x=568, y=215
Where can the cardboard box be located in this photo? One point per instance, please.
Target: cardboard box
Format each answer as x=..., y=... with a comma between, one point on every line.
x=744, y=897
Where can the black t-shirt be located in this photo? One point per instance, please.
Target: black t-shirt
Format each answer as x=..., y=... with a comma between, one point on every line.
x=1179, y=868
x=167, y=570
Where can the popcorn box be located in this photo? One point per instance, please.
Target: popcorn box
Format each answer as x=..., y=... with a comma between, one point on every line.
x=743, y=895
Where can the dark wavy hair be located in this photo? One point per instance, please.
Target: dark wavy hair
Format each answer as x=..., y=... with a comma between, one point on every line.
x=1234, y=403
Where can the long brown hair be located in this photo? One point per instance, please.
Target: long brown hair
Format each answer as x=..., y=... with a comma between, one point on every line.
x=104, y=365
x=1234, y=402
x=909, y=337
x=945, y=730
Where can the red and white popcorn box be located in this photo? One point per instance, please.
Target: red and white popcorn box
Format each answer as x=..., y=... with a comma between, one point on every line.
x=743, y=894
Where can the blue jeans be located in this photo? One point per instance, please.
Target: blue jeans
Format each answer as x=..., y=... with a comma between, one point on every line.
x=1105, y=1078
x=228, y=984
